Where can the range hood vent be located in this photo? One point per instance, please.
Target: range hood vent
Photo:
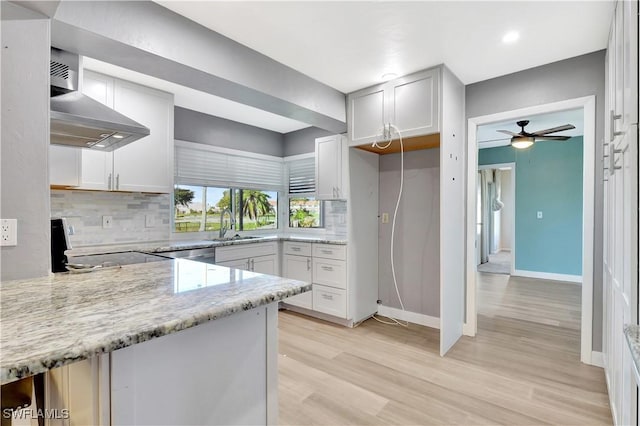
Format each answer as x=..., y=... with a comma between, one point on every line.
x=76, y=119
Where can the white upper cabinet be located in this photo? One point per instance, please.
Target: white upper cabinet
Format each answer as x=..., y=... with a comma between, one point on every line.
x=67, y=166
x=367, y=114
x=145, y=165
x=331, y=159
x=410, y=103
x=413, y=103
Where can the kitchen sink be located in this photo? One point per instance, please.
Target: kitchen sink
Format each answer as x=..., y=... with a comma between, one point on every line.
x=237, y=238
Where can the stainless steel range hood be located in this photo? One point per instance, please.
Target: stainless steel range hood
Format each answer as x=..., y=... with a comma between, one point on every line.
x=80, y=121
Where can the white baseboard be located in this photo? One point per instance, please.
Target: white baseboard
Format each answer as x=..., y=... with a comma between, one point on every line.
x=577, y=279
x=412, y=317
x=467, y=330
x=597, y=359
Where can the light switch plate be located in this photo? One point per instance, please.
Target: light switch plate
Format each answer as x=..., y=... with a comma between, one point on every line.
x=8, y=232
x=539, y=215
x=385, y=217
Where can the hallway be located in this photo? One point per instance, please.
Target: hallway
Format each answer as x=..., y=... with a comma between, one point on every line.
x=522, y=368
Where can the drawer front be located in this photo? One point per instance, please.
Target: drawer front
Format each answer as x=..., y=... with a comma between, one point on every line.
x=304, y=300
x=330, y=301
x=243, y=251
x=330, y=251
x=330, y=272
x=299, y=249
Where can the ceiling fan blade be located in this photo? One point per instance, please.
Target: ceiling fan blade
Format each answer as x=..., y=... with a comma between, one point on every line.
x=494, y=140
x=507, y=132
x=552, y=138
x=554, y=130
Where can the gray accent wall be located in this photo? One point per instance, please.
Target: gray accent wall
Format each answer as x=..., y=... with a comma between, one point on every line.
x=303, y=141
x=417, y=235
x=25, y=146
x=568, y=79
x=194, y=126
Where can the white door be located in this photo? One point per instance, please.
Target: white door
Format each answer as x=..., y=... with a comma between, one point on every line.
x=263, y=265
x=298, y=268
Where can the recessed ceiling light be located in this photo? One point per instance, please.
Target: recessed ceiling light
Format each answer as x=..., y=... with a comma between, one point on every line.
x=389, y=76
x=118, y=136
x=99, y=145
x=511, y=37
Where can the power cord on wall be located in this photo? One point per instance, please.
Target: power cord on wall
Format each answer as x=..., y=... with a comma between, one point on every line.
x=387, y=133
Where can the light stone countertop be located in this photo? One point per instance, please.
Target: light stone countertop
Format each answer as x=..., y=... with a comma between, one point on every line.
x=163, y=246
x=56, y=320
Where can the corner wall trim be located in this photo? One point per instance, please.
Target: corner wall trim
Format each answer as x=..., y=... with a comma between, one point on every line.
x=577, y=279
x=597, y=359
x=413, y=317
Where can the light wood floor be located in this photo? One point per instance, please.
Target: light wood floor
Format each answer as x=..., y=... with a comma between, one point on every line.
x=522, y=368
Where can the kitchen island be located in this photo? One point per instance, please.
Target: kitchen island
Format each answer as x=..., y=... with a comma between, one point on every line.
x=188, y=342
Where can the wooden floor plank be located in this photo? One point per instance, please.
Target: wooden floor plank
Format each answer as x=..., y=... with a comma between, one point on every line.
x=523, y=367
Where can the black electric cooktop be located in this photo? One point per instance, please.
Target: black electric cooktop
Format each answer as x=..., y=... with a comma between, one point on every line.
x=123, y=258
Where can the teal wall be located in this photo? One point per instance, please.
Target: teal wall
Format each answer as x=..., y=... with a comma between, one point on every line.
x=548, y=179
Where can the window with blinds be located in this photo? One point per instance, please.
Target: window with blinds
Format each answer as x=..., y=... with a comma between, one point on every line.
x=198, y=164
x=304, y=210
x=212, y=181
x=302, y=176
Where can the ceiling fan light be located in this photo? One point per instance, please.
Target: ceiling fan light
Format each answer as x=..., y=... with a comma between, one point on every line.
x=522, y=142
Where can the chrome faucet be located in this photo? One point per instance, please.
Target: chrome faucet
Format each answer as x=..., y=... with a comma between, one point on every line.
x=232, y=221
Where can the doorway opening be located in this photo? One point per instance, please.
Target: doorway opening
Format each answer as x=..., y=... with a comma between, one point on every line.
x=495, y=229
x=521, y=261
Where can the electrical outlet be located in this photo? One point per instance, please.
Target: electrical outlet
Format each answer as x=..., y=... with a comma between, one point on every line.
x=539, y=216
x=8, y=232
x=107, y=222
x=149, y=221
x=385, y=217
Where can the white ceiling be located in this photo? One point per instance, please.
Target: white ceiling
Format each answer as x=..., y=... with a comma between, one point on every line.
x=200, y=101
x=489, y=137
x=350, y=45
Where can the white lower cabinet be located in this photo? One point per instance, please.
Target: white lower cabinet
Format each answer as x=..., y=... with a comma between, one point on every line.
x=255, y=257
x=298, y=268
x=330, y=300
x=325, y=266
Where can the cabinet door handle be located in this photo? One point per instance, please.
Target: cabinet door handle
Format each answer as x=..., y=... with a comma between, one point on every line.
x=326, y=268
x=118, y=181
x=308, y=264
x=612, y=125
x=253, y=264
x=327, y=296
x=109, y=181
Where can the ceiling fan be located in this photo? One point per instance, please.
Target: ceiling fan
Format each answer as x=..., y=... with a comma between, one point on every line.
x=525, y=139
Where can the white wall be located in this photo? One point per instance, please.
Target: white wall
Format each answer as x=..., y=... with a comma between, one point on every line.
x=25, y=146
x=507, y=213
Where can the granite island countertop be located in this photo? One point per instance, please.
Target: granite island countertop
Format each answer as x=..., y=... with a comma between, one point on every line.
x=164, y=246
x=56, y=320
x=632, y=334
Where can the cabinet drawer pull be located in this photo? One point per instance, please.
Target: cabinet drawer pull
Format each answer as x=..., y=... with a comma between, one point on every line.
x=327, y=296
x=327, y=268
x=295, y=248
x=327, y=251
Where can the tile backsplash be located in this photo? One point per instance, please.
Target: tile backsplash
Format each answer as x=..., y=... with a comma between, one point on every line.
x=131, y=213
x=335, y=219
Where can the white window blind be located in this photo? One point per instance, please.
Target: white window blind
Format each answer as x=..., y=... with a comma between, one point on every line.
x=302, y=176
x=198, y=164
